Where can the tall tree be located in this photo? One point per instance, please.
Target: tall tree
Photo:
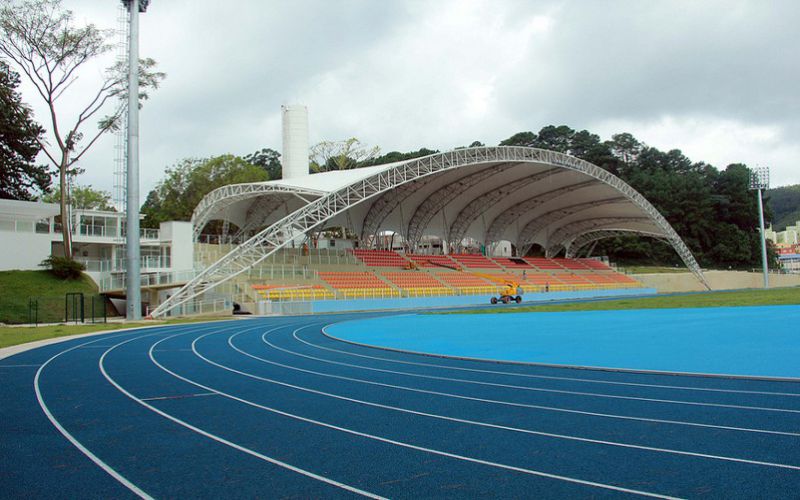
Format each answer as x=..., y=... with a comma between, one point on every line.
x=42, y=40
x=269, y=160
x=341, y=155
x=176, y=197
x=19, y=142
x=85, y=197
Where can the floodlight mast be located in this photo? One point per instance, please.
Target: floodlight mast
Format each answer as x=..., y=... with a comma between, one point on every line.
x=133, y=292
x=759, y=179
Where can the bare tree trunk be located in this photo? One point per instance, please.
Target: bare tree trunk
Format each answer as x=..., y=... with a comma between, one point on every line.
x=65, y=222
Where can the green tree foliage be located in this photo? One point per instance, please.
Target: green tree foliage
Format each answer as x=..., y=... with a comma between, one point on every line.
x=19, y=142
x=785, y=205
x=186, y=183
x=269, y=160
x=395, y=156
x=713, y=212
x=41, y=38
x=83, y=197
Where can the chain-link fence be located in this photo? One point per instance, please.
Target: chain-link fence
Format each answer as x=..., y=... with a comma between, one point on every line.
x=70, y=308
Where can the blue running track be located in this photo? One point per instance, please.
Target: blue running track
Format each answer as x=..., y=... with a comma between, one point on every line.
x=274, y=408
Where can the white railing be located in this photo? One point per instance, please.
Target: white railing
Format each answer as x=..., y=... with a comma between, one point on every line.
x=211, y=306
x=119, y=281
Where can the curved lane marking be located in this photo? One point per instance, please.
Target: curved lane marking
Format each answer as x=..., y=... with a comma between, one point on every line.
x=491, y=401
x=525, y=375
x=477, y=423
x=215, y=437
x=409, y=445
x=94, y=458
x=556, y=391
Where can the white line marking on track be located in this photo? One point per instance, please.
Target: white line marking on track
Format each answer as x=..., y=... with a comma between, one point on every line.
x=557, y=391
x=411, y=446
x=489, y=425
x=529, y=375
x=218, y=438
x=180, y=396
x=492, y=401
x=94, y=458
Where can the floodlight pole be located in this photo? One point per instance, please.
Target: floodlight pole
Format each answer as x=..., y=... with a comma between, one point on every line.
x=763, y=241
x=133, y=292
x=759, y=179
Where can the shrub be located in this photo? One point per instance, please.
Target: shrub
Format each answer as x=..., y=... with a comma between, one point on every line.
x=63, y=267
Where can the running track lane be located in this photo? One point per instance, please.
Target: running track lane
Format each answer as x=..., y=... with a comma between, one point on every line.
x=274, y=407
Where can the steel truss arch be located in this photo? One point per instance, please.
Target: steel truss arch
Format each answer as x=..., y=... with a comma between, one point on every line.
x=587, y=238
x=506, y=218
x=386, y=204
x=565, y=234
x=268, y=241
x=531, y=229
x=468, y=214
x=432, y=205
x=225, y=196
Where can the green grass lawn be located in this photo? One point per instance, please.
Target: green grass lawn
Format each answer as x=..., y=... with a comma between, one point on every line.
x=17, y=287
x=15, y=335
x=776, y=296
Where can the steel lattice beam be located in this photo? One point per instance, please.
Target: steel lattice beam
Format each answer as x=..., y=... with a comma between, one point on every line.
x=221, y=198
x=525, y=237
x=386, y=204
x=561, y=238
x=587, y=238
x=267, y=241
x=472, y=211
x=507, y=217
x=432, y=205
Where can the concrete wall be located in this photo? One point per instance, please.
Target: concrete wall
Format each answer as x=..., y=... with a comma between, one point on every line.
x=718, y=280
x=411, y=303
x=23, y=251
x=180, y=236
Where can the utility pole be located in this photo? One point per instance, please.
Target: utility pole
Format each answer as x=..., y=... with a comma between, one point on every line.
x=133, y=255
x=759, y=179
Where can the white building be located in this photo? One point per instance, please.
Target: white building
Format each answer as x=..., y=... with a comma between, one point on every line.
x=29, y=233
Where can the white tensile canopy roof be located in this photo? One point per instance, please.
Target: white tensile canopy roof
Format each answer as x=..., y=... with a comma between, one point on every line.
x=523, y=195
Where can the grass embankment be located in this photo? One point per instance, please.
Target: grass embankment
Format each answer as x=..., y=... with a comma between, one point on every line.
x=15, y=335
x=18, y=287
x=777, y=296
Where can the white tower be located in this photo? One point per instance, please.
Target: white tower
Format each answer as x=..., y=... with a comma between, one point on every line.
x=295, y=141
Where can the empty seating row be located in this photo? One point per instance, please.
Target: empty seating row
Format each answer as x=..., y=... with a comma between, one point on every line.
x=474, y=261
x=349, y=280
x=512, y=262
x=413, y=279
x=380, y=258
x=423, y=260
x=278, y=292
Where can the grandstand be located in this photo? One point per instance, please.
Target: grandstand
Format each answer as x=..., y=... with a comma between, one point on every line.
x=506, y=210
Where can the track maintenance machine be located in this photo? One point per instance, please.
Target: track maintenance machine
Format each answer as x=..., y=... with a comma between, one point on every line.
x=511, y=290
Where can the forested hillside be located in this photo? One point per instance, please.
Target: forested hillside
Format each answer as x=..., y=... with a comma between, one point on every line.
x=785, y=205
x=711, y=209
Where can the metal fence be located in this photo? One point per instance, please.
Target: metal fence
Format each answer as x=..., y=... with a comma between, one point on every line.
x=71, y=308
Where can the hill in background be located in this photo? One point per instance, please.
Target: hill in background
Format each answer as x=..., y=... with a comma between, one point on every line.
x=785, y=204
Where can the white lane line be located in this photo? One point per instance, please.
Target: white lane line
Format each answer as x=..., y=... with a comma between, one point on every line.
x=214, y=437
x=409, y=445
x=529, y=375
x=180, y=396
x=64, y=432
x=491, y=401
x=489, y=425
x=555, y=391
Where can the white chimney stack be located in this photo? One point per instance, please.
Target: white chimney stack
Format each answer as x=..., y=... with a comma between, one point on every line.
x=295, y=141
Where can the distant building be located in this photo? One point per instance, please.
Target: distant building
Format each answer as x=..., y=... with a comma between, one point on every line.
x=30, y=233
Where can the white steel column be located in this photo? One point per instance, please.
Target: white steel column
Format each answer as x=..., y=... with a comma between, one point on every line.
x=133, y=282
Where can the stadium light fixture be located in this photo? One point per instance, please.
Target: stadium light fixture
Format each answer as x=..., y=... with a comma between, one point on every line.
x=759, y=180
x=133, y=290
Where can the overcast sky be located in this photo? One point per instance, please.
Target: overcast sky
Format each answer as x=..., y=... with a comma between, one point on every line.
x=718, y=80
